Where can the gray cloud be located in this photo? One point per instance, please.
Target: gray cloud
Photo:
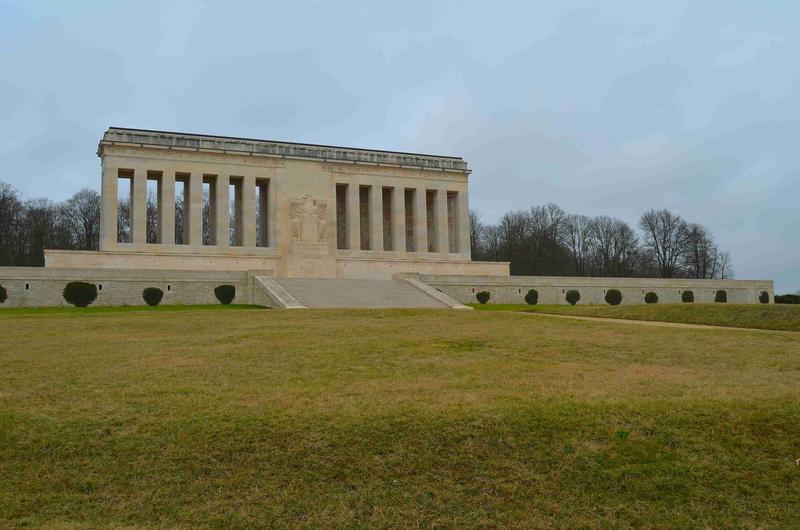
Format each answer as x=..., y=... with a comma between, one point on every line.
x=603, y=108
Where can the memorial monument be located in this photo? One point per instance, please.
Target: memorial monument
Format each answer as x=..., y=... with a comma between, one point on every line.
x=294, y=225
x=299, y=210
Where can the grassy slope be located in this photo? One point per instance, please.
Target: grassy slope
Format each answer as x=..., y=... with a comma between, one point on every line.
x=94, y=310
x=403, y=418
x=777, y=317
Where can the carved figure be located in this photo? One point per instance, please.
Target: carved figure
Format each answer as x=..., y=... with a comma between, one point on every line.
x=308, y=217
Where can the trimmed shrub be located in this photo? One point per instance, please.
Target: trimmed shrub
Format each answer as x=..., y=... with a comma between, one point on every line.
x=763, y=297
x=3, y=294
x=225, y=294
x=573, y=296
x=152, y=296
x=651, y=298
x=687, y=297
x=532, y=297
x=721, y=297
x=613, y=297
x=483, y=296
x=80, y=294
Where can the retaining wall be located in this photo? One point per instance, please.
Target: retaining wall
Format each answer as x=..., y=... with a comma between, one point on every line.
x=43, y=287
x=552, y=289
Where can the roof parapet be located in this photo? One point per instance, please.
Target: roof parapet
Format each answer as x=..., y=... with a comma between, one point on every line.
x=254, y=147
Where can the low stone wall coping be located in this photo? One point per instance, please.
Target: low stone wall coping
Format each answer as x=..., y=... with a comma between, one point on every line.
x=589, y=280
x=68, y=274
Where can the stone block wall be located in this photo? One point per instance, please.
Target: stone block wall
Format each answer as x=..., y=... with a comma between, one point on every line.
x=553, y=289
x=43, y=287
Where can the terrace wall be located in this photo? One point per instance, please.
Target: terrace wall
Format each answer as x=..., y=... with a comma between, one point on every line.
x=43, y=287
x=552, y=289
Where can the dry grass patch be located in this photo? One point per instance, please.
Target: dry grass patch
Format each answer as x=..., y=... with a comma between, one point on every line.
x=393, y=418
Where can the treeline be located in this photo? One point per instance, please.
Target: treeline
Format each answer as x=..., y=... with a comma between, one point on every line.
x=27, y=227
x=546, y=241
x=543, y=240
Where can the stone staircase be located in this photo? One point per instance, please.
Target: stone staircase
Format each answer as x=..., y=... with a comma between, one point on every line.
x=341, y=293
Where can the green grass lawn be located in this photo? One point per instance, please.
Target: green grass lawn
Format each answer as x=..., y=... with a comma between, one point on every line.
x=376, y=418
x=783, y=317
x=94, y=310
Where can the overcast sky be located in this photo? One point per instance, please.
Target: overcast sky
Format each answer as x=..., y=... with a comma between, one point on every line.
x=601, y=107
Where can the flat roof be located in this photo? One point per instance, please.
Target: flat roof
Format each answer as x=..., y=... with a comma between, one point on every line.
x=253, y=146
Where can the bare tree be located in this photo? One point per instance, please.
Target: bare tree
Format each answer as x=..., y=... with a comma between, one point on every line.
x=664, y=235
x=513, y=235
x=723, y=266
x=124, y=221
x=475, y=229
x=10, y=208
x=207, y=217
x=42, y=226
x=491, y=243
x=576, y=236
x=543, y=251
x=614, y=247
x=152, y=218
x=82, y=212
x=179, y=223
x=698, y=253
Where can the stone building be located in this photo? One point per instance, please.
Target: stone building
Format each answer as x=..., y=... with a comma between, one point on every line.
x=298, y=210
x=299, y=225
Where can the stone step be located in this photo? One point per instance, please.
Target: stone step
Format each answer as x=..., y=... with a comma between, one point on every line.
x=332, y=293
x=278, y=296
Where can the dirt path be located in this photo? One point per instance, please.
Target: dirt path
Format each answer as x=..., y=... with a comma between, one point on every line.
x=654, y=323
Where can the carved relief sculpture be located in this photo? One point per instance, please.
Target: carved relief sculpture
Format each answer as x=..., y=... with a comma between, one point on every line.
x=308, y=216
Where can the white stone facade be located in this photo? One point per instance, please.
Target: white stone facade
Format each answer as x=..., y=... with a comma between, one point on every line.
x=318, y=211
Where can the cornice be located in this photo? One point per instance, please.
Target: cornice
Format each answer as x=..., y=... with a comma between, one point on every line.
x=139, y=138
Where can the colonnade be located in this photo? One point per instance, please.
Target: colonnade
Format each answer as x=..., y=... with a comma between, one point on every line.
x=247, y=204
x=393, y=215
x=402, y=219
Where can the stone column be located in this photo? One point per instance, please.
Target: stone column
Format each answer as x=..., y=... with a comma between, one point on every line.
x=353, y=217
x=193, y=209
x=376, y=218
x=399, y=218
x=139, y=206
x=275, y=187
x=108, y=206
x=442, y=230
x=421, y=220
x=249, y=211
x=166, y=208
x=463, y=224
x=221, y=214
